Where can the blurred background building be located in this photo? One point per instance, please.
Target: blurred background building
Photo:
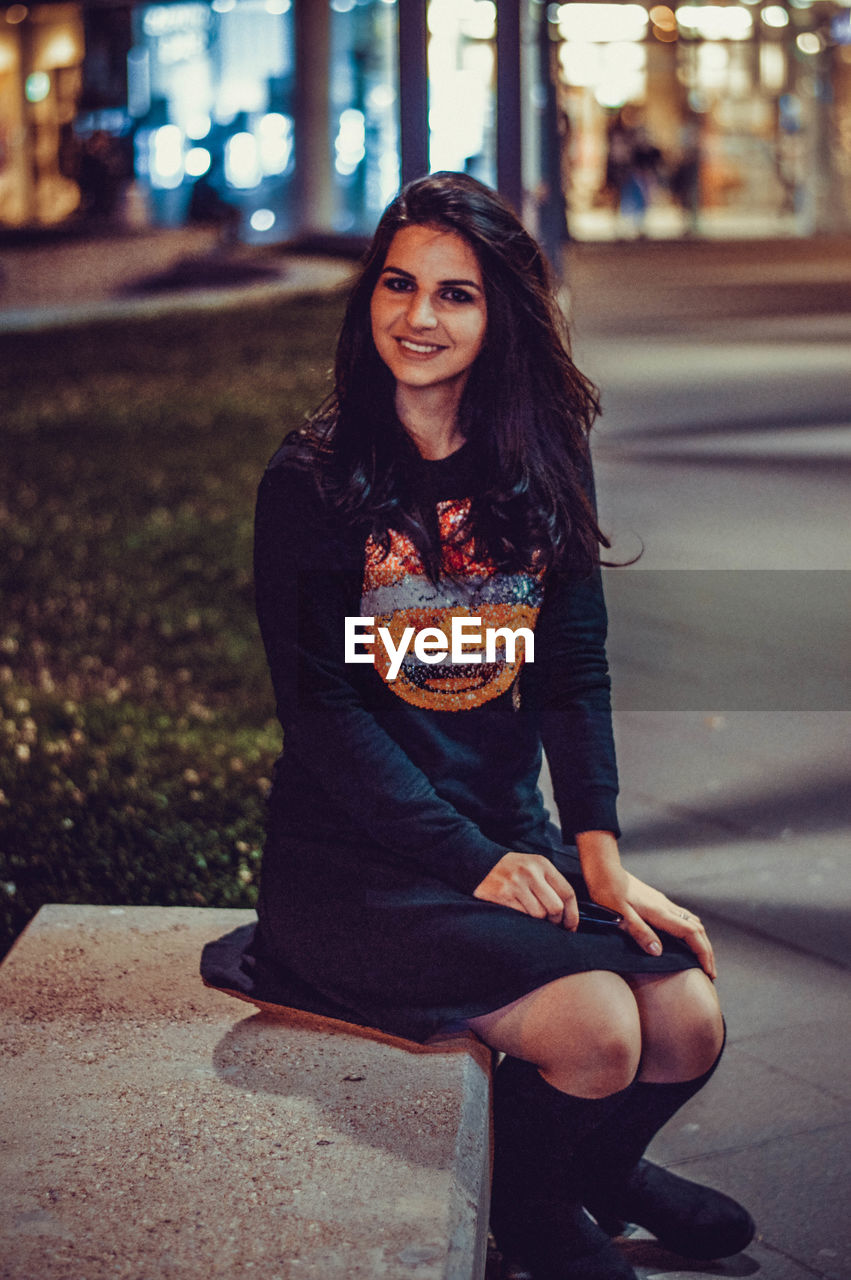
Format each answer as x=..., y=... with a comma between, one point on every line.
x=294, y=120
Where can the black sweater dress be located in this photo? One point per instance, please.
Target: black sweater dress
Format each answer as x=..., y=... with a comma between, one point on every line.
x=393, y=798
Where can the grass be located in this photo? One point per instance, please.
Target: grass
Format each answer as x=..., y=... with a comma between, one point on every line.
x=137, y=730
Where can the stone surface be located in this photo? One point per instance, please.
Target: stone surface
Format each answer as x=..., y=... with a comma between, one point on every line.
x=155, y=1128
x=86, y=281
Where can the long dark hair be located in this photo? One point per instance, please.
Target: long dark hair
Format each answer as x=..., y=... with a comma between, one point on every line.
x=526, y=408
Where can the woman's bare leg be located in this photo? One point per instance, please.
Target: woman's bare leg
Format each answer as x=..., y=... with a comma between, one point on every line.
x=582, y=1031
x=682, y=1030
x=590, y=1033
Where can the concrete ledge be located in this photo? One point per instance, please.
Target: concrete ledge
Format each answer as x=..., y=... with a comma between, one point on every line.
x=155, y=1128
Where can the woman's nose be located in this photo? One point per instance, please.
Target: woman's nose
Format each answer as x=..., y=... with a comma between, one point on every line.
x=420, y=311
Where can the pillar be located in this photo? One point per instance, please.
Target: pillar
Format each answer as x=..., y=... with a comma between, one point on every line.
x=413, y=89
x=314, y=195
x=508, y=104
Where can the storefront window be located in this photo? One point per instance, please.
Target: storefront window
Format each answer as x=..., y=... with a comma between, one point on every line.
x=211, y=88
x=694, y=119
x=462, y=69
x=709, y=118
x=364, y=111
x=41, y=51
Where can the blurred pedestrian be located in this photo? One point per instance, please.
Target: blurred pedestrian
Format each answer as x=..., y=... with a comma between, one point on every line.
x=684, y=181
x=412, y=879
x=100, y=174
x=632, y=168
x=209, y=208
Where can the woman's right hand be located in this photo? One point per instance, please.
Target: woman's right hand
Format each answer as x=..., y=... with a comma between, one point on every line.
x=530, y=883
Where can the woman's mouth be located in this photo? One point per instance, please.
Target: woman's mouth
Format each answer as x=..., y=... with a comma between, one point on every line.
x=419, y=348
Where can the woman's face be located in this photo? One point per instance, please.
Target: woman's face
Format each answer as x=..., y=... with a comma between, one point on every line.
x=428, y=310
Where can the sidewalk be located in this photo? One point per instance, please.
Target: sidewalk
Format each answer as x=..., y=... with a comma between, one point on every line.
x=742, y=817
x=659, y=287
x=80, y=280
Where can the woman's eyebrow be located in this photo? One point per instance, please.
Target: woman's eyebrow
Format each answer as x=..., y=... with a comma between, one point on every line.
x=468, y=284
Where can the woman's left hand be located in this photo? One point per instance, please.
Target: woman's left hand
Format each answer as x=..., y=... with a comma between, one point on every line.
x=644, y=905
x=644, y=909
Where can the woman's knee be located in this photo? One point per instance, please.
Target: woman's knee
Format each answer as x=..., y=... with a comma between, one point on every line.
x=682, y=1025
x=582, y=1031
x=610, y=1058
x=699, y=1010
x=599, y=1041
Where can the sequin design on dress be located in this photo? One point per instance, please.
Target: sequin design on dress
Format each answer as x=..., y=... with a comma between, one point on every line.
x=398, y=594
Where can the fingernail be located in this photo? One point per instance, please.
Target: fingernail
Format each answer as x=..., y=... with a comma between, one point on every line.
x=655, y=948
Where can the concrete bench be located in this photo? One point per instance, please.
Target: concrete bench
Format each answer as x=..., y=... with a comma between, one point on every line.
x=153, y=1128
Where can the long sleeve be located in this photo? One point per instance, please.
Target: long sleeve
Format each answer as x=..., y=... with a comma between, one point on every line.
x=306, y=584
x=568, y=689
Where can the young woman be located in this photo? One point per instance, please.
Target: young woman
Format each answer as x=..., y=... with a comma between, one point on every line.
x=428, y=589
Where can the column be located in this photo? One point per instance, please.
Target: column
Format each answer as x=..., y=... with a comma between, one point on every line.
x=508, y=104
x=314, y=196
x=413, y=89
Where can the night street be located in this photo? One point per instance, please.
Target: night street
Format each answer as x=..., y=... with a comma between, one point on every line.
x=354, y=229
x=724, y=458
x=722, y=455
x=746, y=440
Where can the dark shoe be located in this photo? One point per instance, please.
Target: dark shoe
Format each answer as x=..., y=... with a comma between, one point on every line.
x=569, y=1248
x=685, y=1217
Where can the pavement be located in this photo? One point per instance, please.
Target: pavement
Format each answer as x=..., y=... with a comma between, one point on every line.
x=725, y=446
x=153, y=1127
x=84, y=279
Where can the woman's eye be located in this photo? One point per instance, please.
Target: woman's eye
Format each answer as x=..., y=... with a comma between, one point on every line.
x=458, y=295
x=396, y=284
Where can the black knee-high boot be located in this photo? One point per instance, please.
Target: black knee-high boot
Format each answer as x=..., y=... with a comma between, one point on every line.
x=621, y=1186
x=536, y=1210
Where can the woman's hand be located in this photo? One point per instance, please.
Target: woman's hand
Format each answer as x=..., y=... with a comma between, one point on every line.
x=643, y=908
x=530, y=883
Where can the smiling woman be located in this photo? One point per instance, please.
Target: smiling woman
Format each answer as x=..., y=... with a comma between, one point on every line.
x=412, y=879
x=429, y=318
